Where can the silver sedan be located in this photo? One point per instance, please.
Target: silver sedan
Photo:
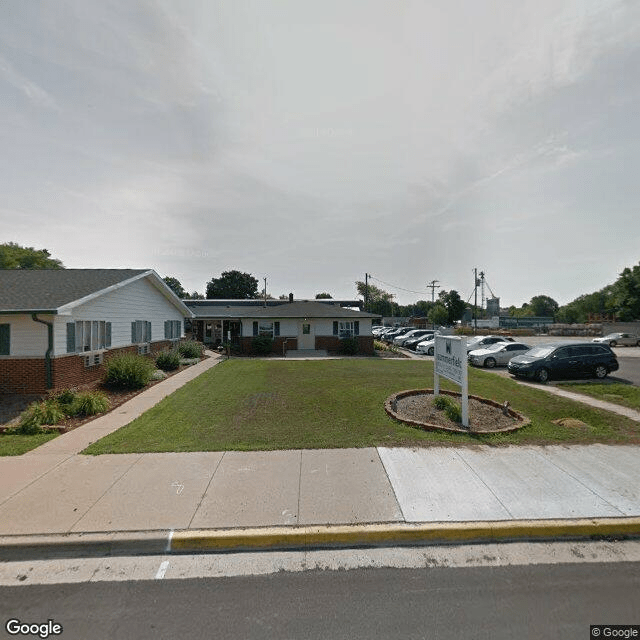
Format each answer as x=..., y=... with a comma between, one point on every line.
x=497, y=354
x=617, y=339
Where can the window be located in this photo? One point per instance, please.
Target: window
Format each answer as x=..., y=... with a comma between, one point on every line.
x=140, y=331
x=173, y=329
x=266, y=328
x=88, y=335
x=5, y=339
x=346, y=328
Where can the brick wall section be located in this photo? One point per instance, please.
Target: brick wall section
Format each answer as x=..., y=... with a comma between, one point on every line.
x=331, y=344
x=22, y=375
x=28, y=375
x=292, y=343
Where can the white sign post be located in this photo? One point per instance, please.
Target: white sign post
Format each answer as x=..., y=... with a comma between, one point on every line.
x=450, y=361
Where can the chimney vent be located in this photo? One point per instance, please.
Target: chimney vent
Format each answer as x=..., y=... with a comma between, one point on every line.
x=290, y=297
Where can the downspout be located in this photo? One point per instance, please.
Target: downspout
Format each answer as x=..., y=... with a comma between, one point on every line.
x=47, y=355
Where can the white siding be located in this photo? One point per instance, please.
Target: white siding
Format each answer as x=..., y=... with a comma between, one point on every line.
x=288, y=326
x=27, y=338
x=139, y=300
x=322, y=326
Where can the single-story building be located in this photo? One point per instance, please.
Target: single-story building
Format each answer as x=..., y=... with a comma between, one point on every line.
x=58, y=326
x=293, y=324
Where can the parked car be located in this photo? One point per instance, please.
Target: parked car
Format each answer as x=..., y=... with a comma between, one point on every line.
x=390, y=335
x=480, y=342
x=496, y=354
x=617, y=339
x=402, y=340
x=415, y=340
x=427, y=347
x=564, y=360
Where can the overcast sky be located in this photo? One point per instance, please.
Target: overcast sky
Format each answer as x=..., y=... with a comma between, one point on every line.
x=311, y=142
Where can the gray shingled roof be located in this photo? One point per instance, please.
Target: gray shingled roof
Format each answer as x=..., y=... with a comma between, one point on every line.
x=49, y=289
x=309, y=309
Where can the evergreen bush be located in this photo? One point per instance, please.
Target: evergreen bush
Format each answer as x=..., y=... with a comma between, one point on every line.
x=261, y=345
x=168, y=360
x=348, y=346
x=128, y=371
x=191, y=349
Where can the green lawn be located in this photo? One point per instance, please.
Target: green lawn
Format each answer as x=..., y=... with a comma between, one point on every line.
x=16, y=445
x=624, y=394
x=264, y=404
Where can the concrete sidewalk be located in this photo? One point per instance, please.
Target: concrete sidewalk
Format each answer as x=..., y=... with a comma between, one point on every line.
x=163, y=502
x=213, y=494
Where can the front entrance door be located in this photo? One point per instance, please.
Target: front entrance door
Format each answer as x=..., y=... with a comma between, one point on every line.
x=306, y=335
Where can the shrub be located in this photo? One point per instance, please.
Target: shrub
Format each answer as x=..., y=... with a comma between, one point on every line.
x=441, y=402
x=39, y=413
x=127, y=371
x=168, y=360
x=66, y=397
x=381, y=346
x=453, y=412
x=449, y=406
x=89, y=404
x=191, y=349
x=261, y=345
x=348, y=346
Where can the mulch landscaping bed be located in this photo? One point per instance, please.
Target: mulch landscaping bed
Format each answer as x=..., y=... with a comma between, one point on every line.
x=418, y=410
x=116, y=398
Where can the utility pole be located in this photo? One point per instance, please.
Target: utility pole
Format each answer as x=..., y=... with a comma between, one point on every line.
x=265, y=292
x=475, y=299
x=366, y=291
x=433, y=286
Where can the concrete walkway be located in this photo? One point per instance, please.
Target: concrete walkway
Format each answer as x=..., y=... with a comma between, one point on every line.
x=201, y=497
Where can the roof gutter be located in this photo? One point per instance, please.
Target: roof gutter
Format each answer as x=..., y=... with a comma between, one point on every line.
x=16, y=312
x=47, y=355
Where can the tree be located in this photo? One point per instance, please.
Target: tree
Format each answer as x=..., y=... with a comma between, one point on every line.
x=378, y=300
x=195, y=296
x=323, y=296
x=422, y=308
x=543, y=306
x=176, y=287
x=232, y=285
x=438, y=314
x=13, y=256
x=627, y=294
x=454, y=305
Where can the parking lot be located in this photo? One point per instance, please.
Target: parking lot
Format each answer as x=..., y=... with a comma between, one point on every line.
x=628, y=357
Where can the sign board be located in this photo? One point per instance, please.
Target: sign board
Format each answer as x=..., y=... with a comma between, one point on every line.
x=450, y=361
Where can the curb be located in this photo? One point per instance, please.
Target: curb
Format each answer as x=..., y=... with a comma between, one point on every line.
x=306, y=538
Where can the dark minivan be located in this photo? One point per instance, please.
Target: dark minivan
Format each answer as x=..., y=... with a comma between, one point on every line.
x=564, y=360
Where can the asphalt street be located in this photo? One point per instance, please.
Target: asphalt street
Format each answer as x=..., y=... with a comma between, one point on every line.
x=535, y=601
x=629, y=370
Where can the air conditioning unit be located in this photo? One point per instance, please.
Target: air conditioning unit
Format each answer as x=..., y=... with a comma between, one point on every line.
x=93, y=360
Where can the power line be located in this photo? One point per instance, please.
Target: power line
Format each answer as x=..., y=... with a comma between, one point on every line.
x=395, y=286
